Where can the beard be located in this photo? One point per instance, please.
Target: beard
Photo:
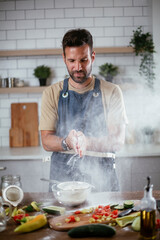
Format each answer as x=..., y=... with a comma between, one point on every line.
x=80, y=76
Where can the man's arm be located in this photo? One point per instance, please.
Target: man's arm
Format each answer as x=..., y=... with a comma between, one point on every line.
x=50, y=141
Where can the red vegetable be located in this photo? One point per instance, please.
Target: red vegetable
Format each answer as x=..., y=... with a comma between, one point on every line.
x=77, y=212
x=19, y=217
x=158, y=223
x=71, y=219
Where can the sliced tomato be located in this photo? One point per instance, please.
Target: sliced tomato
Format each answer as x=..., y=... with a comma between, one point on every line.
x=77, y=212
x=95, y=216
x=115, y=212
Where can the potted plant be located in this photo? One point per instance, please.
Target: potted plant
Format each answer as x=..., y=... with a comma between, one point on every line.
x=42, y=73
x=108, y=71
x=143, y=46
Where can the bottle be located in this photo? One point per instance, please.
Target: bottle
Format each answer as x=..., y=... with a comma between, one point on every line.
x=148, y=213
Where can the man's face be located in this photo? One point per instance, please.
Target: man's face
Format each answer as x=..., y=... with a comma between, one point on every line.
x=79, y=61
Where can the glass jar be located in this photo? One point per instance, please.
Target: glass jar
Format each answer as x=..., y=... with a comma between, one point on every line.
x=8, y=180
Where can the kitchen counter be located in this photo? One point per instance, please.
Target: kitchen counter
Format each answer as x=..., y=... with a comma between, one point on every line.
x=95, y=199
x=26, y=153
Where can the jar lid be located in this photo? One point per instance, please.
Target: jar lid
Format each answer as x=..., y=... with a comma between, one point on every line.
x=13, y=194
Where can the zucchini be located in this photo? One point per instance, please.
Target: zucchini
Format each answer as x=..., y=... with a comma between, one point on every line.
x=112, y=206
x=128, y=204
x=119, y=207
x=92, y=230
x=54, y=210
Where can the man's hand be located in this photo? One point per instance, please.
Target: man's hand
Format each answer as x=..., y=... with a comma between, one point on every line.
x=76, y=140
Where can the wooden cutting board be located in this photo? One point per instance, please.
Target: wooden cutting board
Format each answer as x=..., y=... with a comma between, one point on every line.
x=59, y=224
x=24, y=125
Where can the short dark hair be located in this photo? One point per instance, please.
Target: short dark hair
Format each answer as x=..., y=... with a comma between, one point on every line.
x=76, y=38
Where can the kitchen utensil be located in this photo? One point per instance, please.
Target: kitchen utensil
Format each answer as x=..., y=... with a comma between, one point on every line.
x=24, y=125
x=3, y=217
x=3, y=83
x=13, y=194
x=130, y=210
x=10, y=82
x=49, y=180
x=71, y=193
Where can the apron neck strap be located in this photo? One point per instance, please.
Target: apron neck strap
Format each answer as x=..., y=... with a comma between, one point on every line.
x=97, y=85
x=65, y=85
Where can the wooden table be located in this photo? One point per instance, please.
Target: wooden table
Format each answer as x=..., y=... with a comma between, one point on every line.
x=95, y=199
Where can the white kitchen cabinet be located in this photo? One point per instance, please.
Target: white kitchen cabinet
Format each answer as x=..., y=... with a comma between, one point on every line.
x=31, y=171
x=133, y=171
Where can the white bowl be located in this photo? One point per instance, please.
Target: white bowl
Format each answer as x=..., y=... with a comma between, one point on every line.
x=71, y=193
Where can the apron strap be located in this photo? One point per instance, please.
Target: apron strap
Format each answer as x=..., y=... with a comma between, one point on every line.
x=65, y=88
x=96, y=90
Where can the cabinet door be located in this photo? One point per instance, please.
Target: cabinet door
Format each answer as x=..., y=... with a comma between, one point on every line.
x=31, y=171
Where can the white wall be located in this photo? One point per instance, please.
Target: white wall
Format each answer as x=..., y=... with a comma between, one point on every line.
x=35, y=24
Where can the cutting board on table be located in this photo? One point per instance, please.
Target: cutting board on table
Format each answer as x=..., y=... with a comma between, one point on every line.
x=59, y=224
x=24, y=125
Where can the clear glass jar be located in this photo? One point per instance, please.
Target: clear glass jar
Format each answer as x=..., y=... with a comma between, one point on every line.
x=8, y=180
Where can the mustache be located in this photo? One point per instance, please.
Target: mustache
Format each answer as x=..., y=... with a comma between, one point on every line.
x=78, y=71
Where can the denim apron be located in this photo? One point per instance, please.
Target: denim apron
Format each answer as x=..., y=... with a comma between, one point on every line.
x=83, y=112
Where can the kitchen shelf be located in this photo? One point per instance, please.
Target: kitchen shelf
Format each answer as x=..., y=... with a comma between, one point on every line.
x=58, y=51
x=22, y=90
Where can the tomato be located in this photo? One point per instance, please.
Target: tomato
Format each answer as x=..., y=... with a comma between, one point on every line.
x=77, y=212
x=19, y=217
x=115, y=212
x=158, y=223
x=95, y=216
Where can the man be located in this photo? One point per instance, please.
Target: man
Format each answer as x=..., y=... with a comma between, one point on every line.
x=83, y=119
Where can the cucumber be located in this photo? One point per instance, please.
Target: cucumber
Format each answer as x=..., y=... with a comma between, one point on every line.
x=112, y=206
x=128, y=204
x=92, y=230
x=119, y=207
x=54, y=210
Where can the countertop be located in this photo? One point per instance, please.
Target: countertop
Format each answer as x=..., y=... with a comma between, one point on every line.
x=29, y=153
x=95, y=199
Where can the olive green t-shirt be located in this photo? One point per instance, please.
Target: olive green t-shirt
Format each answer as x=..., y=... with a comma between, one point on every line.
x=112, y=98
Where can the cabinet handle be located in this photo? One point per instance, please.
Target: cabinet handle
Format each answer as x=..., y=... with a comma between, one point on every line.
x=2, y=168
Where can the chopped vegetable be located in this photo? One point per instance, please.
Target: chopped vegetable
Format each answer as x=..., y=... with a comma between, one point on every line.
x=158, y=223
x=128, y=204
x=70, y=219
x=19, y=217
x=34, y=206
x=124, y=221
x=14, y=212
x=38, y=222
x=54, y=210
x=136, y=224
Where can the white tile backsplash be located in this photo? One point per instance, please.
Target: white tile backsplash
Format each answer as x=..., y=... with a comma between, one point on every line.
x=15, y=15
x=29, y=4
x=7, y=25
x=7, y=5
